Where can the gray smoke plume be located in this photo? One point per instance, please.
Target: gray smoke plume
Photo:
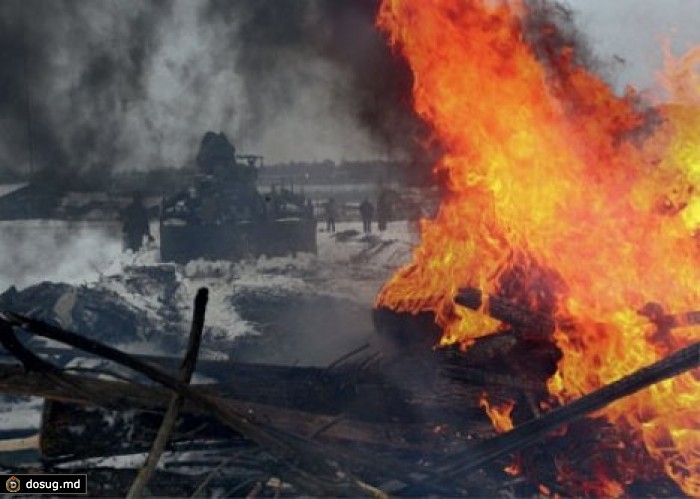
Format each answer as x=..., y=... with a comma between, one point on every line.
x=70, y=70
x=550, y=29
x=90, y=86
x=305, y=53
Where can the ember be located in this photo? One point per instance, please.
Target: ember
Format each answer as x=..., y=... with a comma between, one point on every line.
x=585, y=201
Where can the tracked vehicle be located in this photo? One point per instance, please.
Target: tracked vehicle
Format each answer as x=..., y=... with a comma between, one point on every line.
x=223, y=216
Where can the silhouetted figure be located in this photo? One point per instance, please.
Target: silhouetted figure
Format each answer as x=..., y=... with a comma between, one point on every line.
x=135, y=220
x=331, y=214
x=367, y=213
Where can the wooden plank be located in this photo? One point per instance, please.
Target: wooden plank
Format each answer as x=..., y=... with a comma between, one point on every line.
x=114, y=432
x=176, y=400
x=534, y=430
x=15, y=444
x=119, y=395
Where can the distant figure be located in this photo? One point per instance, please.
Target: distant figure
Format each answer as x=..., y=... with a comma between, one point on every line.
x=367, y=213
x=135, y=219
x=331, y=214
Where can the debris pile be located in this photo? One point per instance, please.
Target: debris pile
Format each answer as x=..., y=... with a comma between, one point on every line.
x=285, y=430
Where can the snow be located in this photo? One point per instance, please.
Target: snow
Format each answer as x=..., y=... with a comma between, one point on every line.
x=83, y=252
x=21, y=414
x=6, y=189
x=349, y=266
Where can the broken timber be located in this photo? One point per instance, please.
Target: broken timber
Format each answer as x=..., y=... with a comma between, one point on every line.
x=310, y=465
x=176, y=400
x=119, y=395
x=526, y=434
x=127, y=431
x=542, y=324
x=306, y=452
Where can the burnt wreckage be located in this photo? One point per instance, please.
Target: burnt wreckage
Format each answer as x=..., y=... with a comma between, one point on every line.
x=410, y=425
x=223, y=216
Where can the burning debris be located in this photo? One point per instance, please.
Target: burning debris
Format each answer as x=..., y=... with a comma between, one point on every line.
x=316, y=425
x=555, y=188
x=543, y=339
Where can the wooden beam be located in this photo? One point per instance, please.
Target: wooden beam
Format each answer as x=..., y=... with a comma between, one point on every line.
x=521, y=437
x=312, y=466
x=176, y=400
x=119, y=395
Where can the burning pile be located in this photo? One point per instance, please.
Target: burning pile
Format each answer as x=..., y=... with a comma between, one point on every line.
x=564, y=198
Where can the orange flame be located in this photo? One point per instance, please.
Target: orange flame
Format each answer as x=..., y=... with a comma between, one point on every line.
x=499, y=414
x=548, y=168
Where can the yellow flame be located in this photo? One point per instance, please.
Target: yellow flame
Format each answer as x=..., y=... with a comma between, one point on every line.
x=546, y=165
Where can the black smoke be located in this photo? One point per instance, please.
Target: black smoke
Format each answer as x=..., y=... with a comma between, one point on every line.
x=562, y=48
x=550, y=29
x=90, y=86
x=279, y=38
x=68, y=69
x=19, y=50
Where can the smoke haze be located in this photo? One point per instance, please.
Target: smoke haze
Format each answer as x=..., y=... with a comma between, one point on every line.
x=45, y=250
x=103, y=84
x=125, y=84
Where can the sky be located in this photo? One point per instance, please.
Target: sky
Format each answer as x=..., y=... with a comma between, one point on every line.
x=635, y=30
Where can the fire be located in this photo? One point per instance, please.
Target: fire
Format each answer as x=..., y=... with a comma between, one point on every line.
x=548, y=169
x=500, y=415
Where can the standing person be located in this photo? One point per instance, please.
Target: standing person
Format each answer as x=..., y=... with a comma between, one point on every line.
x=331, y=213
x=366, y=212
x=135, y=224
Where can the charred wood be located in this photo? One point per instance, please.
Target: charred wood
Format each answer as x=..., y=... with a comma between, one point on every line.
x=312, y=458
x=147, y=402
x=176, y=400
x=521, y=437
x=307, y=443
x=544, y=325
x=503, y=310
x=114, y=432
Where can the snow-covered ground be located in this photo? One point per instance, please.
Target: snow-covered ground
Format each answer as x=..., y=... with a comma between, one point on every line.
x=348, y=271
x=348, y=265
x=82, y=253
x=306, y=310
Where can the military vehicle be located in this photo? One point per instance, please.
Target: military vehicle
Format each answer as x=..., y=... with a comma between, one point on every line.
x=222, y=216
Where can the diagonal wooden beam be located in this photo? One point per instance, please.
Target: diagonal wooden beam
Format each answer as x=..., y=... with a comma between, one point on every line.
x=534, y=430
